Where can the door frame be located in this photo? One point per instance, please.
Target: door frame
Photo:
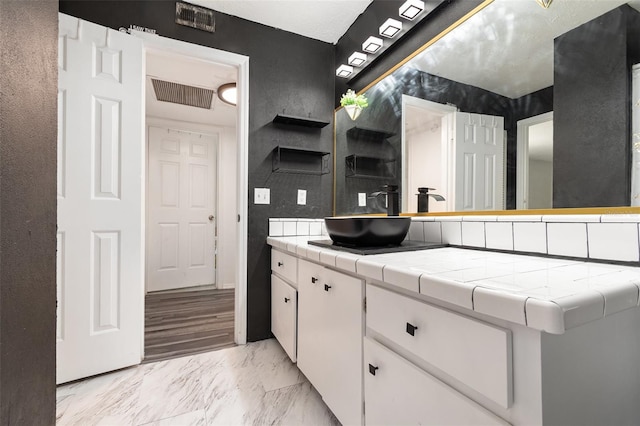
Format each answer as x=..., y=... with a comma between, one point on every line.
x=426, y=105
x=522, y=154
x=241, y=63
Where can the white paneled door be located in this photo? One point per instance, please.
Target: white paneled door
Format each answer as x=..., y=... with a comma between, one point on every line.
x=478, y=172
x=100, y=200
x=181, y=227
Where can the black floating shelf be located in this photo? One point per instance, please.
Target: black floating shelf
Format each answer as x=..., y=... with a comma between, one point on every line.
x=372, y=134
x=286, y=159
x=300, y=121
x=360, y=166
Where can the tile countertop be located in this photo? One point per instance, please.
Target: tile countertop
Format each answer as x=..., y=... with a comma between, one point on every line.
x=546, y=294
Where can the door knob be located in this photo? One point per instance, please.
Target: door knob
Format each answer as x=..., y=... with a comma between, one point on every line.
x=211, y=217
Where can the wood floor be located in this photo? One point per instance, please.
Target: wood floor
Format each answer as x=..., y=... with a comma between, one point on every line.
x=179, y=323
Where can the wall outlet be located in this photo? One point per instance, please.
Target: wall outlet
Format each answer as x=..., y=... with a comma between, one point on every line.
x=362, y=199
x=302, y=197
x=262, y=196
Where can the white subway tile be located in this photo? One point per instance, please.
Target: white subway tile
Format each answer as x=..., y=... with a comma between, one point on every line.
x=501, y=304
x=423, y=218
x=566, y=218
x=452, y=233
x=290, y=227
x=416, y=231
x=473, y=234
x=480, y=218
x=613, y=241
x=520, y=218
x=499, y=235
x=275, y=228
x=620, y=218
x=302, y=227
x=530, y=237
x=448, y=218
x=567, y=239
x=315, y=228
x=433, y=232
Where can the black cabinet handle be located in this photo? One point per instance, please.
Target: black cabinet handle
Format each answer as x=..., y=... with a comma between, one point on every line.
x=286, y=299
x=372, y=370
x=411, y=329
x=313, y=280
x=327, y=287
x=280, y=263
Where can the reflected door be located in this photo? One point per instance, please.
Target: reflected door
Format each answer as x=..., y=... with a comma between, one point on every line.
x=477, y=150
x=182, y=173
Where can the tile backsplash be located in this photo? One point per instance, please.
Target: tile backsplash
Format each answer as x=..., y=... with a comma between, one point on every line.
x=598, y=237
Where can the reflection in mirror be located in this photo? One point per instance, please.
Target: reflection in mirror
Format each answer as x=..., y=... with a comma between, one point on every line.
x=535, y=162
x=515, y=60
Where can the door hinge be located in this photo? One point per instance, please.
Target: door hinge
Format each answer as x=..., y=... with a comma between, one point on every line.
x=363, y=411
x=238, y=218
x=364, y=304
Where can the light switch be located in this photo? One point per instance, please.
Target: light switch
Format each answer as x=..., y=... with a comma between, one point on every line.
x=302, y=197
x=262, y=196
x=362, y=199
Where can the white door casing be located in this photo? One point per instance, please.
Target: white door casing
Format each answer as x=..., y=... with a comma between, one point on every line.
x=522, y=153
x=100, y=200
x=478, y=162
x=181, y=221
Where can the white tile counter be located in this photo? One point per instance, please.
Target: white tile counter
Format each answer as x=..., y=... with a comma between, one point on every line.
x=546, y=294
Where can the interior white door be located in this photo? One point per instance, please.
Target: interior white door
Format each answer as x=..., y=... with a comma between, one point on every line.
x=182, y=187
x=478, y=161
x=100, y=200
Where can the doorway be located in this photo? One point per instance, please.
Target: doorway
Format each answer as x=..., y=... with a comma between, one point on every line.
x=191, y=244
x=534, y=169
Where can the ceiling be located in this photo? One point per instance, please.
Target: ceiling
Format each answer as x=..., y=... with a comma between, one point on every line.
x=325, y=20
x=192, y=72
x=507, y=48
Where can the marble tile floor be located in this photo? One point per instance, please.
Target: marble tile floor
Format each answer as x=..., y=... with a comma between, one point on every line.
x=254, y=384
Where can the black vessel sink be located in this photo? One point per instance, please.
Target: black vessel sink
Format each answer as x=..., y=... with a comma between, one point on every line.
x=368, y=230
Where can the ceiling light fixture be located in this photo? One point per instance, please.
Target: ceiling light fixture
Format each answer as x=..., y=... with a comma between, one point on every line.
x=357, y=59
x=410, y=9
x=544, y=3
x=344, y=71
x=390, y=28
x=228, y=93
x=372, y=44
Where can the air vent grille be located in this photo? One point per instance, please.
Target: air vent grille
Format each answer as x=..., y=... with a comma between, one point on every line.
x=182, y=94
x=195, y=17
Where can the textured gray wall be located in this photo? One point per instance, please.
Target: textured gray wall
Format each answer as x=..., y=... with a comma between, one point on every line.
x=28, y=82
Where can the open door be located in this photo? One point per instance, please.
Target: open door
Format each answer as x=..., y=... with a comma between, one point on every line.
x=477, y=153
x=100, y=200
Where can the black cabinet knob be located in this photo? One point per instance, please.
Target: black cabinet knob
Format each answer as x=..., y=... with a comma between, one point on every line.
x=280, y=263
x=286, y=299
x=411, y=329
x=372, y=370
x=313, y=280
x=327, y=287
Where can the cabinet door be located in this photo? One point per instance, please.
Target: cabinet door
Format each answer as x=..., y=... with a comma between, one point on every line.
x=283, y=315
x=344, y=325
x=397, y=392
x=312, y=335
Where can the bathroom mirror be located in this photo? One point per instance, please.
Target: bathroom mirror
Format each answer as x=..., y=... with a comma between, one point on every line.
x=568, y=66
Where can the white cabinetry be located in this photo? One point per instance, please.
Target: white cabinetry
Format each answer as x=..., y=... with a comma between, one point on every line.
x=284, y=301
x=399, y=393
x=330, y=329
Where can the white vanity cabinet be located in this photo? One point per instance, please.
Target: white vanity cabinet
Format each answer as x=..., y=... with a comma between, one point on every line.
x=284, y=301
x=330, y=329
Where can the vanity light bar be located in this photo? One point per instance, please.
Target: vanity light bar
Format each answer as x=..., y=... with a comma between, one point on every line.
x=372, y=44
x=390, y=28
x=357, y=59
x=410, y=9
x=344, y=71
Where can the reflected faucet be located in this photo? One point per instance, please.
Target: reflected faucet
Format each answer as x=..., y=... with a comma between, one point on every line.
x=423, y=199
x=393, y=199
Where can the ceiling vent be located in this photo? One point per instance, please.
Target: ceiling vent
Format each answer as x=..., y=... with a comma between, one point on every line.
x=195, y=17
x=182, y=94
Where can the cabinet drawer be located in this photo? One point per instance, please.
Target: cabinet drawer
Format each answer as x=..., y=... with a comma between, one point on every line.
x=284, y=299
x=397, y=392
x=285, y=265
x=471, y=351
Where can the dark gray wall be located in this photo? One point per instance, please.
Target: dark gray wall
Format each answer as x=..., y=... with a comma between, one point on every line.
x=286, y=72
x=28, y=82
x=592, y=109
